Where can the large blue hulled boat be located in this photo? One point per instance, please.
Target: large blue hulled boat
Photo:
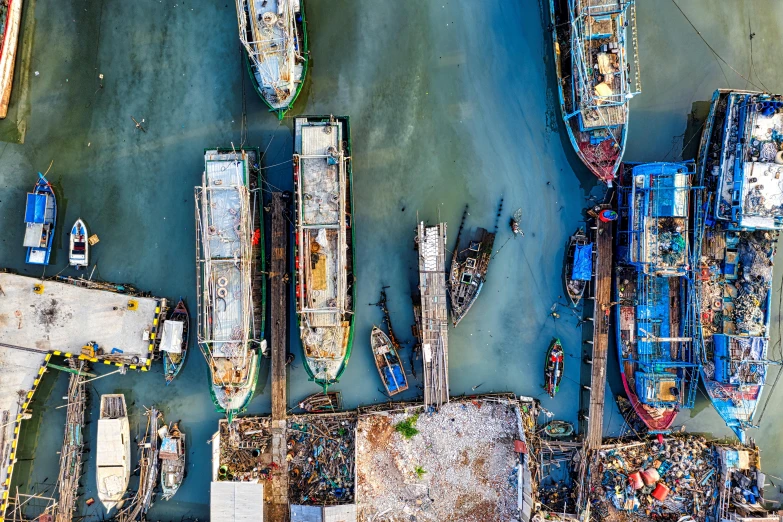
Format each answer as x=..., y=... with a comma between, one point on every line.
x=594, y=83
x=740, y=168
x=40, y=219
x=656, y=307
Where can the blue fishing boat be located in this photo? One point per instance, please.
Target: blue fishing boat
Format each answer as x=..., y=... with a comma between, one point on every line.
x=40, y=218
x=578, y=268
x=594, y=79
x=656, y=307
x=740, y=168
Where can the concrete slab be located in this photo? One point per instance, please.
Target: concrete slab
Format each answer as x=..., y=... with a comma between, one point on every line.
x=60, y=318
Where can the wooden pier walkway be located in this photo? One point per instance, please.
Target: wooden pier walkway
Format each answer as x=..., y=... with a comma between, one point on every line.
x=602, y=297
x=277, y=509
x=71, y=465
x=434, y=315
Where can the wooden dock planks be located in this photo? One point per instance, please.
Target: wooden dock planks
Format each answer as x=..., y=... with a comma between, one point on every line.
x=277, y=509
x=434, y=314
x=602, y=311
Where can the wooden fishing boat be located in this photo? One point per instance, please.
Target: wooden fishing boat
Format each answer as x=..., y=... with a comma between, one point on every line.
x=320, y=402
x=558, y=429
x=174, y=341
x=40, y=219
x=12, y=21
x=469, y=266
x=172, y=460
x=274, y=35
x=578, y=266
x=554, y=367
x=516, y=223
x=113, y=451
x=388, y=362
x=324, y=259
x=593, y=77
x=79, y=246
x=225, y=220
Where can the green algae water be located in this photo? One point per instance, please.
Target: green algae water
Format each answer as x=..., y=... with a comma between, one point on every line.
x=451, y=104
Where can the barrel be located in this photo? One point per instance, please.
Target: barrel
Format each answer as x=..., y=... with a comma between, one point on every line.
x=650, y=476
x=660, y=492
x=635, y=480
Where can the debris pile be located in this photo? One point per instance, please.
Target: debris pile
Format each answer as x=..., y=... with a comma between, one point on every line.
x=321, y=455
x=743, y=481
x=654, y=481
x=244, y=455
x=457, y=464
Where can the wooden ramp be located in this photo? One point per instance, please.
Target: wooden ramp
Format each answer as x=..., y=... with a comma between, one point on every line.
x=602, y=285
x=434, y=315
x=277, y=509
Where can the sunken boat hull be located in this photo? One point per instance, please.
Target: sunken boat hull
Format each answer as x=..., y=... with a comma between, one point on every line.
x=225, y=218
x=324, y=245
x=274, y=36
x=468, y=273
x=593, y=101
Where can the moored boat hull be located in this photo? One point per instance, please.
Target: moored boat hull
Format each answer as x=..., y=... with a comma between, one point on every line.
x=388, y=362
x=554, y=367
x=173, y=361
x=40, y=222
x=79, y=251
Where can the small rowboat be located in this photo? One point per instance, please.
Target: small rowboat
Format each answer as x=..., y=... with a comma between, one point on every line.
x=553, y=368
x=320, y=402
x=578, y=266
x=79, y=250
x=559, y=429
x=174, y=341
x=388, y=362
x=172, y=460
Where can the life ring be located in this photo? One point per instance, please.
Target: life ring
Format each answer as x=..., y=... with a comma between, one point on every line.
x=269, y=18
x=222, y=292
x=222, y=281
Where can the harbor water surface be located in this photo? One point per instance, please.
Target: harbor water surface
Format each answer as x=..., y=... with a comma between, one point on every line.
x=451, y=104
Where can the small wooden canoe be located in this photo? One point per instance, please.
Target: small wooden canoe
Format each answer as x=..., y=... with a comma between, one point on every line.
x=388, y=362
x=580, y=254
x=553, y=367
x=320, y=402
x=172, y=460
x=79, y=249
x=174, y=341
x=559, y=429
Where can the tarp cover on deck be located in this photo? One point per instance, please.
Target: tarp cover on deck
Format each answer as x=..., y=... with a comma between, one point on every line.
x=583, y=263
x=171, y=338
x=392, y=374
x=35, y=211
x=732, y=356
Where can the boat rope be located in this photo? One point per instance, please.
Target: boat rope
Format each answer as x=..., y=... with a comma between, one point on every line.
x=719, y=57
x=751, y=34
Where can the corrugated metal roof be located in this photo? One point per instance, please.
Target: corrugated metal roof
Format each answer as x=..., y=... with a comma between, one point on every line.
x=236, y=502
x=345, y=513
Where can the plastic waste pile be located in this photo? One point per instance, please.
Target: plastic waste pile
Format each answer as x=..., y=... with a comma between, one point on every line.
x=653, y=481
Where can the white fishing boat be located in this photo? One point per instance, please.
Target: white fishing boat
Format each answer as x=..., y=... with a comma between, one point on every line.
x=114, y=458
x=79, y=249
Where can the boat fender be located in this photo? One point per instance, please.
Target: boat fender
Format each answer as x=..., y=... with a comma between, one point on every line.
x=269, y=18
x=222, y=281
x=135, y=359
x=222, y=292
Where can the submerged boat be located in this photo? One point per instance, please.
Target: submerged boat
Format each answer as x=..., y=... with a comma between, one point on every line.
x=469, y=265
x=388, y=362
x=11, y=24
x=656, y=312
x=113, y=459
x=174, y=341
x=40, y=218
x=554, y=367
x=172, y=460
x=79, y=247
x=593, y=77
x=324, y=252
x=321, y=402
x=578, y=266
x=274, y=35
x=224, y=235
x=516, y=223
x=740, y=166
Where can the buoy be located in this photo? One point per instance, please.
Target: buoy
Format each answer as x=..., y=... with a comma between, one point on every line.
x=269, y=18
x=635, y=480
x=222, y=292
x=222, y=281
x=660, y=492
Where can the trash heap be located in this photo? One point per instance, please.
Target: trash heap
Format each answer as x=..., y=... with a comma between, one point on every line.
x=654, y=481
x=244, y=445
x=321, y=455
x=745, y=482
x=671, y=241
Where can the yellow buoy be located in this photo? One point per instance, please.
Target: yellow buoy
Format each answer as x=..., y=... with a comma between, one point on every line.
x=133, y=304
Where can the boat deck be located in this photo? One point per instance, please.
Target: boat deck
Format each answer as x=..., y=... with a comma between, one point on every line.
x=61, y=318
x=434, y=315
x=594, y=7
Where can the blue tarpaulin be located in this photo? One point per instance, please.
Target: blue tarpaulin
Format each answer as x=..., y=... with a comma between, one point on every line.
x=36, y=208
x=583, y=263
x=390, y=374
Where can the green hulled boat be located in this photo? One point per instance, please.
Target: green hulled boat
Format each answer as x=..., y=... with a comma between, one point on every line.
x=227, y=254
x=324, y=245
x=274, y=35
